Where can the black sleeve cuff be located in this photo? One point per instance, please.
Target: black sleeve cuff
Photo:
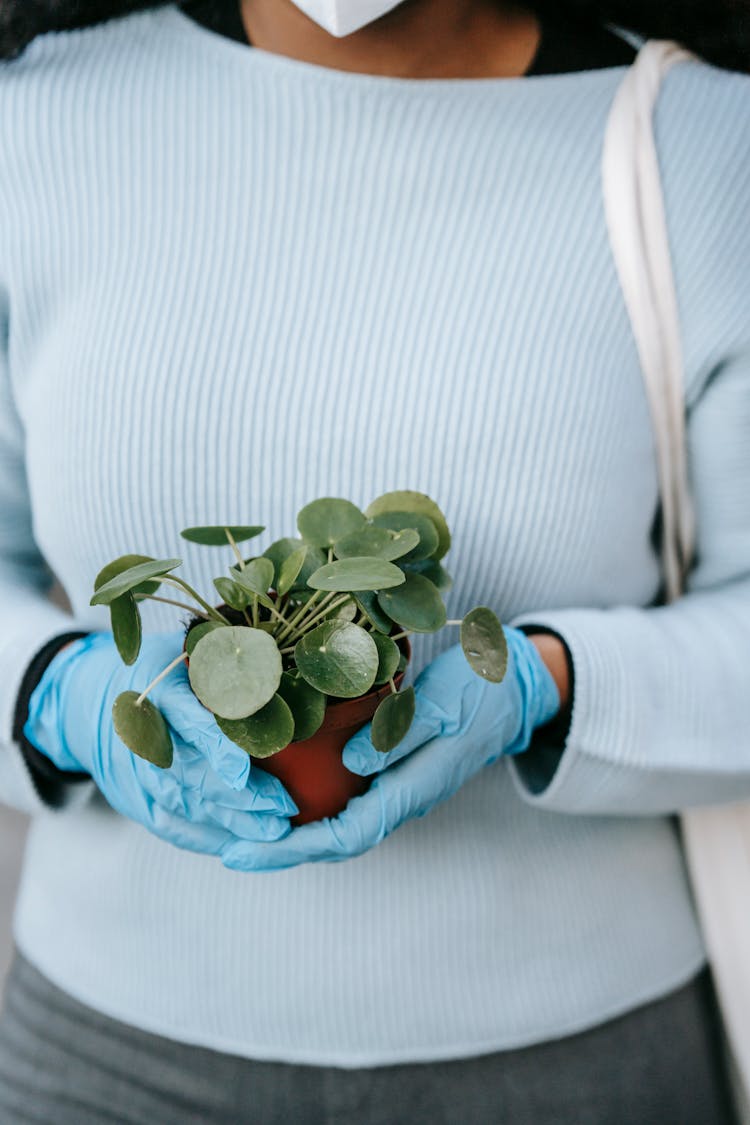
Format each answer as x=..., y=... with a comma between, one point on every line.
x=49, y=781
x=556, y=731
x=538, y=764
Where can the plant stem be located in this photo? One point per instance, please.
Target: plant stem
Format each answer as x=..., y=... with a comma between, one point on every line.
x=235, y=548
x=180, y=605
x=306, y=626
x=279, y=616
x=167, y=670
x=255, y=611
x=303, y=624
x=400, y=636
x=292, y=622
x=212, y=613
x=393, y=686
x=246, y=615
x=454, y=623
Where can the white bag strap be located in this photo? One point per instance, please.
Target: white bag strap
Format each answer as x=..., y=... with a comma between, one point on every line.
x=638, y=233
x=717, y=840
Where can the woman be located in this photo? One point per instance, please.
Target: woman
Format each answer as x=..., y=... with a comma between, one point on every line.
x=253, y=254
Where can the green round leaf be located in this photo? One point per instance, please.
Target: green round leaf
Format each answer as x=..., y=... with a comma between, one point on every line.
x=339, y=659
x=266, y=600
x=290, y=570
x=235, y=670
x=231, y=593
x=484, y=644
x=143, y=729
x=436, y=573
x=389, y=655
x=217, y=536
x=125, y=562
x=132, y=577
x=307, y=704
x=423, y=525
x=367, y=540
x=356, y=574
x=347, y=611
x=263, y=734
x=402, y=543
x=407, y=500
x=256, y=575
x=199, y=631
x=325, y=521
x=279, y=551
x=376, y=542
x=416, y=605
x=126, y=627
x=392, y=720
x=235, y=567
x=367, y=601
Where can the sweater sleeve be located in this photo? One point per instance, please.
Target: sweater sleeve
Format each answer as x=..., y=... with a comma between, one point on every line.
x=30, y=620
x=661, y=714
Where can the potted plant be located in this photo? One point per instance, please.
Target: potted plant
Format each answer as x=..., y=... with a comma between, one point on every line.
x=310, y=641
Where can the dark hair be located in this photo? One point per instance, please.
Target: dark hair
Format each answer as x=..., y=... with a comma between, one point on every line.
x=716, y=30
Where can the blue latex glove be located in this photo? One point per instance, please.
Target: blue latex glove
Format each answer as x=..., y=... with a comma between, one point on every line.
x=462, y=723
x=207, y=799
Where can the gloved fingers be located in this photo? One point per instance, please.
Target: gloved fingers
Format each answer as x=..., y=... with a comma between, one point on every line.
x=262, y=793
x=253, y=827
x=430, y=721
x=184, y=816
x=306, y=844
x=450, y=699
x=242, y=819
x=425, y=777
x=205, y=838
x=134, y=779
x=354, y=831
x=195, y=724
x=432, y=774
x=289, y=852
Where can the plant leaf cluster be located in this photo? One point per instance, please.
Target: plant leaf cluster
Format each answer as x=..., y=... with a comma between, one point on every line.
x=314, y=619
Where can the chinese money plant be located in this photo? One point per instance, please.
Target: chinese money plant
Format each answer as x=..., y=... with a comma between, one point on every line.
x=313, y=620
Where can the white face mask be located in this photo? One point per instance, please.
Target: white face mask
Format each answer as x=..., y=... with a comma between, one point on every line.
x=342, y=17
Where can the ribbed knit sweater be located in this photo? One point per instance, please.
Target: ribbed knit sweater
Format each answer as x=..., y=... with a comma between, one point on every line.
x=231, y=282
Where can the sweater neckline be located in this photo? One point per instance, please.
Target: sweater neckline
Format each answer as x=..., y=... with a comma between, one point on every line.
x=244, y=53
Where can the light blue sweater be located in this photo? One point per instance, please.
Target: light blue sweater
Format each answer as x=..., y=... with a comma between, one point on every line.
x=231, y=282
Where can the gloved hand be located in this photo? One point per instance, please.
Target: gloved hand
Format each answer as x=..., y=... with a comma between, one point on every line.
x=207, y=799
x=462, y=723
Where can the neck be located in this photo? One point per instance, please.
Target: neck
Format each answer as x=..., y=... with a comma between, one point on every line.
x=417, y=39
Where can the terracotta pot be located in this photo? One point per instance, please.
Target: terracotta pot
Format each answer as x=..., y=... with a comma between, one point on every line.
x=312, y=770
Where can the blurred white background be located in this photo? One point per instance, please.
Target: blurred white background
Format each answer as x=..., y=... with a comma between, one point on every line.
x=12, y=835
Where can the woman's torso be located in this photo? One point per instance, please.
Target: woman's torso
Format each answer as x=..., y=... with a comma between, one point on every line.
x=245, y=282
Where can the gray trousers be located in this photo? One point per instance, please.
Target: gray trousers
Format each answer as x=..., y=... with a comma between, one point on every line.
x=64, y=1064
